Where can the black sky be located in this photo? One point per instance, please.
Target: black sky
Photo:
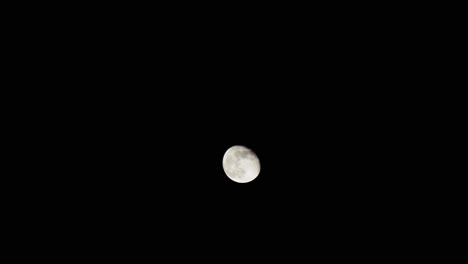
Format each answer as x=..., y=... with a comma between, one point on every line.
x=120, y=143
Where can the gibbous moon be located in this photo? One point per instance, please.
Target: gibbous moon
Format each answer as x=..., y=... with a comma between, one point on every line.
x=241, y=164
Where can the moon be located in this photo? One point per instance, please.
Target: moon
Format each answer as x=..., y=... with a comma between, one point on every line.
x=241, y=164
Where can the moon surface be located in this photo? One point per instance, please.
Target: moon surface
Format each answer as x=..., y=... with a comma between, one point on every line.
x=241, y=164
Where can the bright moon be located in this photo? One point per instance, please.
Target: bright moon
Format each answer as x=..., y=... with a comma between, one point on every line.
x=241, y=164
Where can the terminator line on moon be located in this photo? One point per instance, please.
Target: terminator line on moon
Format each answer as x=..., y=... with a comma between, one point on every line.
x=241, y=164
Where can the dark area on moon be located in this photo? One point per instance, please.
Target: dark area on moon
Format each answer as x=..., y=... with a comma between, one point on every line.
x=247, y=153
x=118, y=152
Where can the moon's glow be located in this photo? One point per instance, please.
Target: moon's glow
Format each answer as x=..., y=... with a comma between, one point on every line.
x=241, y=164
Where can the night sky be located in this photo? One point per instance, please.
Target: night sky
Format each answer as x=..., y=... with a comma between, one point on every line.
x=119, y=146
